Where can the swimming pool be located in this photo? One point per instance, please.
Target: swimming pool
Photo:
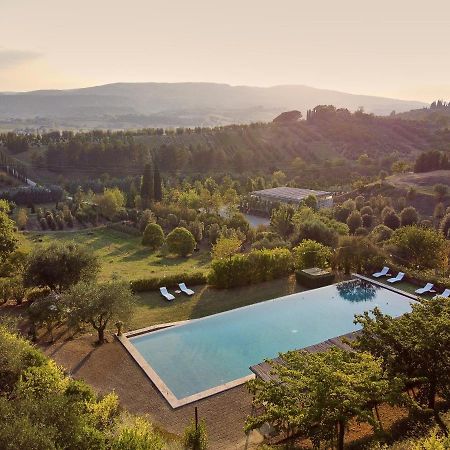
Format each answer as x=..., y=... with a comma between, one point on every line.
x=200, y=356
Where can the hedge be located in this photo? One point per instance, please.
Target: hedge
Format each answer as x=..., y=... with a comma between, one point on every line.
x=254, y=267
x=170, y=281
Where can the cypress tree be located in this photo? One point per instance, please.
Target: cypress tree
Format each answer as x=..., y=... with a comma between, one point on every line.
x=147, y=186
x=158, y=186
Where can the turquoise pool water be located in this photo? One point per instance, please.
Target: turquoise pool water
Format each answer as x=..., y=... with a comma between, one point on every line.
x=205, y=353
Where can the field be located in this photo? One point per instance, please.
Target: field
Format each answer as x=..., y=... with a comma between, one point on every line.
x=122, y=256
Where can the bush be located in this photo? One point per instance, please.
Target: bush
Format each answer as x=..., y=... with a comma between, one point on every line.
x=154, y=283
x=354, y=221
x=311, y=254
x=254, y=267
x=180, y=241
x=409, y=216
x=316, y=231
x=153, y=236
x=146, y=217
x=36, y=294
x=381, y=233
x=196, y=438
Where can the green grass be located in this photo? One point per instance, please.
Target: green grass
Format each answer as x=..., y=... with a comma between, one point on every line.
x=404, y=286
x=153, y=309
x=121, y=255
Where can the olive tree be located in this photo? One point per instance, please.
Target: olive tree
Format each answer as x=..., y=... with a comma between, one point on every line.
x=318, y=394
x=98, y=304
x=60, y=265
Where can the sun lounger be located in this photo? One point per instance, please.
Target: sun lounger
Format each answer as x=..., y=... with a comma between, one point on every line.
x=384, y=272
x=398, y=277
x=445, y=294
x=427, y=288
x=166, y=294
x=184, y=289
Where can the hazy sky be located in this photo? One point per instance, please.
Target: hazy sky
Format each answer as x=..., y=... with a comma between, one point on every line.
x=397, y=48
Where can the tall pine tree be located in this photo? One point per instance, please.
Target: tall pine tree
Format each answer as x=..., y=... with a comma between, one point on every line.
x=147, y=186
x=158, y=185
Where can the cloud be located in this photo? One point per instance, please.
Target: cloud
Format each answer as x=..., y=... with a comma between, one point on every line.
x=11, y=58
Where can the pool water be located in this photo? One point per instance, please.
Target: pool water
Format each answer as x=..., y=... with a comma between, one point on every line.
x=204, y=353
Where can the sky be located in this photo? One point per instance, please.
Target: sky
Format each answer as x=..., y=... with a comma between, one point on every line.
x=391, y=48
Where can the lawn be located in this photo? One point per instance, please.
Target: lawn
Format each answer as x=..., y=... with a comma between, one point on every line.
x=152, y=309
x=121, y=255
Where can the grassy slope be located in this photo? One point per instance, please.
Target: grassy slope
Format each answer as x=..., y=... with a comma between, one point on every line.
x=122, y=256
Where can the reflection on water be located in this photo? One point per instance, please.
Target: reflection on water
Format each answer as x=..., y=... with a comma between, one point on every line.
x=357, y=290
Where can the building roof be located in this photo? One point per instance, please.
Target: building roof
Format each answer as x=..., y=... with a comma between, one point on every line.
x=264, y=370
x=289, y=193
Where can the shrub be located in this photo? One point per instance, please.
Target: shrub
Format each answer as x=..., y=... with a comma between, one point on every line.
x=180, y=241
x=196, y=438
x=213, y=233
x=43, y=223
x=311, y=254
x=146, y=217
x=154, y=283
x=196, y=228
x=354, y=221
x=37, y=293
x=391, y=220
x=367, y=220
x=409, y=216
x=316, y=231
x=153, y=236
x=381, y=233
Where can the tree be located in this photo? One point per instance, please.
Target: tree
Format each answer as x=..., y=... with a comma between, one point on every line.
x=317, y=231
x=311, y=202
x=318, y=394
x=311, y=254
x=195, y=436
x=357, y=253
x=225, y=248
x=157, y=185
x=60, y=265
x=381, y=233
x=180, y=241
x=419, y=247
x=354, y=221
x=281, y=220
x=153, y=236
x=22, y=218
x=8, y=239
x=110, y=202
x=99, y=304
x=415, y=346
x=409, y=216
x=444, y=226
x=147, y=186
x=440, y=191
x=391, y=220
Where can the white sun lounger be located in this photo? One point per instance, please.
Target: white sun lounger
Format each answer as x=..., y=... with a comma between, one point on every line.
x=184, y=289
x=166, y=294
x=383, y=272
x=398, y=277
x=445, y=294
x=427, y=288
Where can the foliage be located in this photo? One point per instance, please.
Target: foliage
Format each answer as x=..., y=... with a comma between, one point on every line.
x=281, y=220
x=315, y=230
x=415, y=346
x=153, y=236
x=409, y=216
x=431, y=160
x=391, y=220
x=381, y=233
x=60, y=265
x=357, y=253
x=444, y=226
x=314, y=392
x=180, y=241
x=196, y=438
x=110, y=202
x=98, y=304
x=416, y=246
x=253, y=267
x=354, y=221
x=42, y=409
x=311, y=254
x=8, y=239
x=225, y=248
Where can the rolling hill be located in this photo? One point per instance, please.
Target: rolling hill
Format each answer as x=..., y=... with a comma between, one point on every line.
x=134, y=105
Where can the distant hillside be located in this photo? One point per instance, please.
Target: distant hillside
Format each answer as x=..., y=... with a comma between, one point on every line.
x=135, y=105
x=438, y=115
x=328, y=145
